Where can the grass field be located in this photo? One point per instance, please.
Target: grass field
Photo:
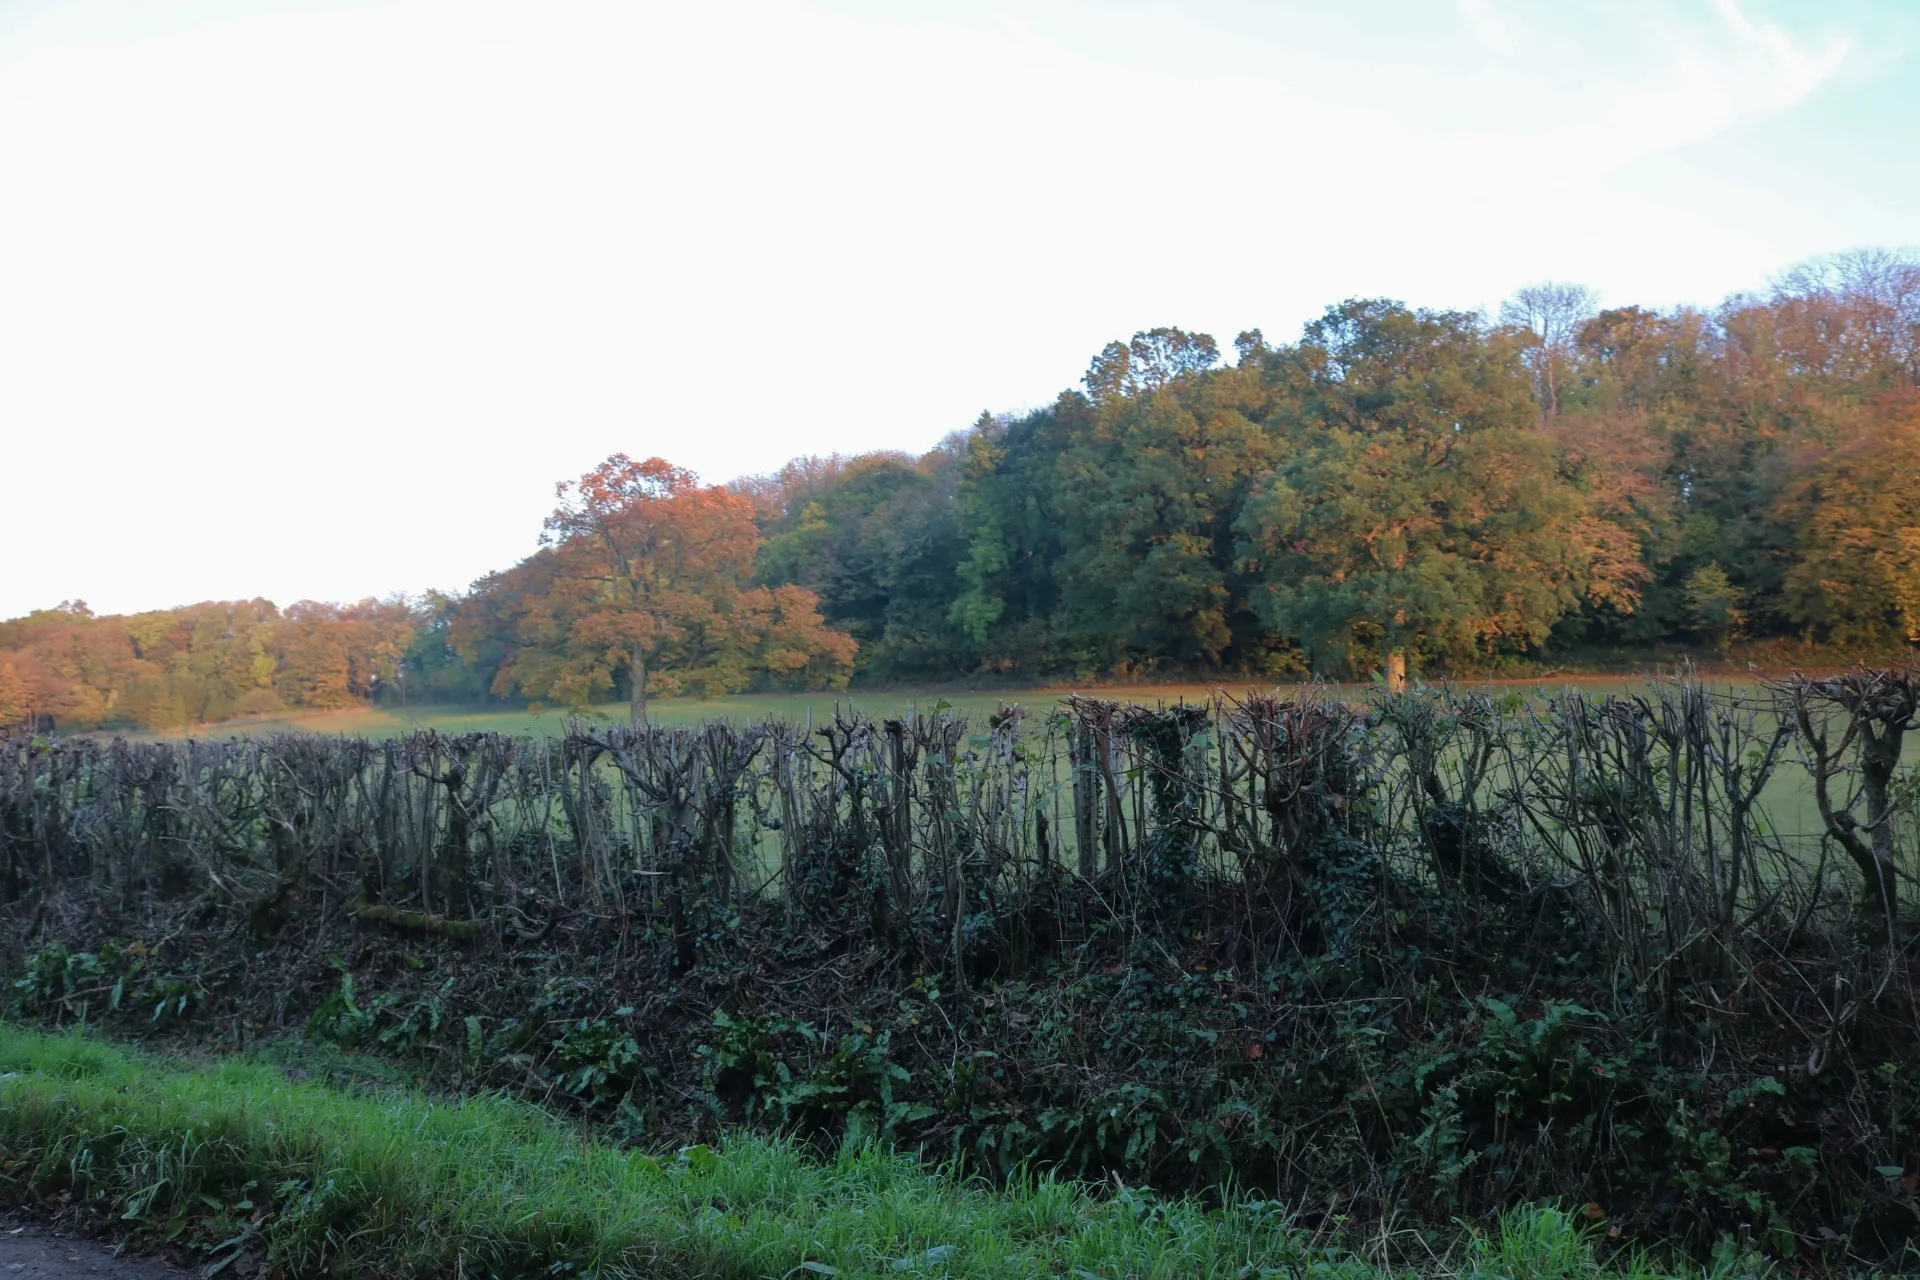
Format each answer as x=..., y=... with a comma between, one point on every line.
x=1788, y=799
x=388, y=721
x=235, y=1159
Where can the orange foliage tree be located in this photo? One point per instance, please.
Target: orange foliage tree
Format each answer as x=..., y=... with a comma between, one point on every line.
x=199, y=664
x=1855, y=513
x=17, y=692
x=643, y=576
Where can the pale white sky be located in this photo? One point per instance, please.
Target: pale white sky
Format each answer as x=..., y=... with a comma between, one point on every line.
x=318, y=299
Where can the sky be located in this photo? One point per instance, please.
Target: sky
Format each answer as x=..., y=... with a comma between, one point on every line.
x=318, y=298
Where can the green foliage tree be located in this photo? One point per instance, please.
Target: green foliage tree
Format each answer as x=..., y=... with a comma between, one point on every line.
x=1419, y=510
x=1007, y=588
x=433, y=668
x=1714, y=605
x=1147, y=494
x=877, y=538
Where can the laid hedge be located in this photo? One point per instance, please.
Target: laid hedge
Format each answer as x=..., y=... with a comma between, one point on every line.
x=1428, y=958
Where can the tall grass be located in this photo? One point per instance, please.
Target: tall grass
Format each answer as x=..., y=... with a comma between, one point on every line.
x=237, y=1157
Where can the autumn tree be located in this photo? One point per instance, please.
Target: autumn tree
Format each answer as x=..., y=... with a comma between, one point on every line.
x=1642, y=428
x=1420, y=510
x=1851, y=320
x=72, y=663
x=642, y=578
x=1855, y=513
x=16, y=693
x=333, y=656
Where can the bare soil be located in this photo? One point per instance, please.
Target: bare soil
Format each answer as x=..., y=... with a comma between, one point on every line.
x=32, y=1252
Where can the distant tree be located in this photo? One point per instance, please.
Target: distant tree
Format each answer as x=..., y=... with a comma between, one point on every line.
x=876, y=537
x=74, y=663
x=1396, y=486
x=230, y=663
x=1714, y=605
x=433, y=669
x=643, y=577
x=332, y=656
x=1550, y=315
x=1855, y=515
x=1420, y=510
x=1151, y=360
x=1148, y=487
x=16, y=695
x=1851, y=320
x=1618, y=459
x=1008, y=583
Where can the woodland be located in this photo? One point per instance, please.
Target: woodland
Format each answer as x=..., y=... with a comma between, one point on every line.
x=1399, y=491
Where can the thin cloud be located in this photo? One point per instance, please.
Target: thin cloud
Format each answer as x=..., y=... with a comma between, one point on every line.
x=1696, y=81
x=365, y=280
x=1795, y=71
x=1489, y=29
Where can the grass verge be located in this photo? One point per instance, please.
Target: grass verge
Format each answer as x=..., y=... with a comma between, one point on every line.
x=236, y=1158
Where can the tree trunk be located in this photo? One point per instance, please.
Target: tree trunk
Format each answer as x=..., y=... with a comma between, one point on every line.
x=1879, y=758
x=1085, y=782
x=637, y=701
x=1880, y=708
x=1396, y=669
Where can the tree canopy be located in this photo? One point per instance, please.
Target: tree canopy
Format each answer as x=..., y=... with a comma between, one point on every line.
x=1399, y=486
x=643, y=580
x=1420, y=508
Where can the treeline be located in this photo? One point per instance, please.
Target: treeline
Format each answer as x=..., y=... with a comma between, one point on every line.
x=1400, y=489
x=1401, y=485
x=644, y=580
x=203, y=663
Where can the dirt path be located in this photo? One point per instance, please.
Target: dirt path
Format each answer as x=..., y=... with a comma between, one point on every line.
x=29, y=1253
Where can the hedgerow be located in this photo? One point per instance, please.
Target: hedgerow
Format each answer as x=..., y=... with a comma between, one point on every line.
x=1412, y=962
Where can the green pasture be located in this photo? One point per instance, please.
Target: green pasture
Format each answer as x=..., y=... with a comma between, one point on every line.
x=390, y=721
x=746, y=708
x=1789, y=799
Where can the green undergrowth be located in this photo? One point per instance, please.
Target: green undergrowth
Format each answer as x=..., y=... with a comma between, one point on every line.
x=236, y=1159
